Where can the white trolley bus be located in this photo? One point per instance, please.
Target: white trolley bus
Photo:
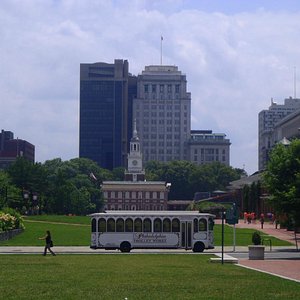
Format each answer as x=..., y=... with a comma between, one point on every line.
x=126, y=230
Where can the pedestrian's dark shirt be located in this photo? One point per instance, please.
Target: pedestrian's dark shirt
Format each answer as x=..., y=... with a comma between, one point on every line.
x=48, y=239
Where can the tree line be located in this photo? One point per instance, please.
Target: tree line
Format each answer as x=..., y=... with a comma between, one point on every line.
x=74, y=186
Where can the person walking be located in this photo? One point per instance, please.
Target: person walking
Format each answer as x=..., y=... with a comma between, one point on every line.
x=262, y=221
x=49, y=243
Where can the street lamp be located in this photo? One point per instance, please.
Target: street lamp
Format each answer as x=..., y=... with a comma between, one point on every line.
x=33, y=204
x=26, y=197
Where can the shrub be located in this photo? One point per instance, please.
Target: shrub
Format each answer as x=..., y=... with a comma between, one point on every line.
x=256, y=238
x=10, y=219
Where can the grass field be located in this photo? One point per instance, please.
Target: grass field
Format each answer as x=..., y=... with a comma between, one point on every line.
x=130, y=276
x=75, y=231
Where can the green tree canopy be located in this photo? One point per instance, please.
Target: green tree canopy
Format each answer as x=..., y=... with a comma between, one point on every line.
x=188, y=178
x=282, y=179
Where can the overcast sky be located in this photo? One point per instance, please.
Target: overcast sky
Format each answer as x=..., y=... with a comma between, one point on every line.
x=237, y=55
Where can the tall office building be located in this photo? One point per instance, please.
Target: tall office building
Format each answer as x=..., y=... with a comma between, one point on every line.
x=267, y=120
x=106, y=93
x=162, y=110
x=11, y=149
x=207, y=147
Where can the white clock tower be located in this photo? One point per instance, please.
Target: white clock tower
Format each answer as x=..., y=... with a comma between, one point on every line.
x=135, y=170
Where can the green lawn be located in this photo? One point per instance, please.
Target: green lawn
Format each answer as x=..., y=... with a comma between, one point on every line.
x=76, y=232
x=135, y=277
x=243, y=237
x=61, y=219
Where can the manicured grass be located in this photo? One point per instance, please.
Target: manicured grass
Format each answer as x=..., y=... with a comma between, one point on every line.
x=135, y=277
x=76, y=232
x=61, y=219
x=62, y=234
x=243, y=237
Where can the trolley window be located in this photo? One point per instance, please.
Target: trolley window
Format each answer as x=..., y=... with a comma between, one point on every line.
x=157, y=225
x=93, y=225
x=203, y=225
x=175, y=225
x=147, y=225
x=129, y=225
x=102, y=225
x=196, y=226
x=166, y=225
x=120, y=225
x=111, y=225
x=138, y=225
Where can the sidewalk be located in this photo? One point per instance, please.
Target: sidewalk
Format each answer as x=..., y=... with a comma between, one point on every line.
x=285, y=268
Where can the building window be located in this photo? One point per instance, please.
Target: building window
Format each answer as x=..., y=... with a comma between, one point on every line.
x=146, y=88
x=153, y=88
x=177, y=88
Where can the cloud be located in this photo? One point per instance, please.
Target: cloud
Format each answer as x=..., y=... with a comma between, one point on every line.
x=234, y=62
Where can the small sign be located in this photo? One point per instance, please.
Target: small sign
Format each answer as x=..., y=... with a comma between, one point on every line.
x=232, y=215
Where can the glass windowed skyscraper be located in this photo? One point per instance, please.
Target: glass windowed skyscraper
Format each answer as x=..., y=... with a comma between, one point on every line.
x=106, y=93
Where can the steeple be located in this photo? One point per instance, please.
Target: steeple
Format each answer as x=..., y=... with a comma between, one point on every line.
x=135, y=171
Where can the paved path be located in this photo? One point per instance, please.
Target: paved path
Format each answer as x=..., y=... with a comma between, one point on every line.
x=286, y=268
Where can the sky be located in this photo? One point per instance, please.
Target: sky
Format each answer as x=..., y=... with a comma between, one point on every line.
x=236, y=55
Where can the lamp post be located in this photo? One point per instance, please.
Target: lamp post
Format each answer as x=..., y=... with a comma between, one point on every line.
x=26, y=197
x=30, y=205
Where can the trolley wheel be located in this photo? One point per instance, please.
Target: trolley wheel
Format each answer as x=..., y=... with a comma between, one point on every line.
x=199, y=247
x=125, y=247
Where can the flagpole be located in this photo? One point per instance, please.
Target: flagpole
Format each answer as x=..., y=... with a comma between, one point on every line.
x=161, y=40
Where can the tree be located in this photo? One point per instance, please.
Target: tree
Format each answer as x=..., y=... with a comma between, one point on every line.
x=282, y=179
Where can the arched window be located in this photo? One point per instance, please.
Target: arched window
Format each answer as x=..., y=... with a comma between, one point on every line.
x=147, y=225
x=102, y=225
x=166, y=225
x=203, y=225
x=196, y=226
x=138, y=225
x=129, y=225
x=120, y=225
x=157, y=225
x=93, y=225
x=175, y=225
x=111, y=225
x=211, y=224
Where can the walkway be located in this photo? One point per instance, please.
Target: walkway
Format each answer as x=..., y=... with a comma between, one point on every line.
x=286, y=268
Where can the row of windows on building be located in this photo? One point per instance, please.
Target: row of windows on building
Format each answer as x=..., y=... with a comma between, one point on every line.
x=162, y=88
x=162, y=158
x=162, y=122
x=162, y=114
x=134, y=195
x=208, y=158
x=161, y=144
x=208, y=151
x=170, y=107
x=157, y=207
x=162, y=151
x=147, y=225
x=157, y=136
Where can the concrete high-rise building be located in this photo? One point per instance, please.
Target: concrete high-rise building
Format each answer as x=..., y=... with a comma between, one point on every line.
x=162, y=110
x=106, y=93
x=267, y=120
x=207, y=147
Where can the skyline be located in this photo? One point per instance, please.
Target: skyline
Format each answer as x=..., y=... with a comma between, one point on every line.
x=236, y=56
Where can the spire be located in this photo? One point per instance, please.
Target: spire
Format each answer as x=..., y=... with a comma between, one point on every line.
x=134, y=134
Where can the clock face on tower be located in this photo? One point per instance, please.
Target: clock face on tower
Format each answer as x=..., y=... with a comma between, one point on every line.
x=134, y=162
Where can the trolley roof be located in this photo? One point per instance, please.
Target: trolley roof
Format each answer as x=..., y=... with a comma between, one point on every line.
x=150, y=213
